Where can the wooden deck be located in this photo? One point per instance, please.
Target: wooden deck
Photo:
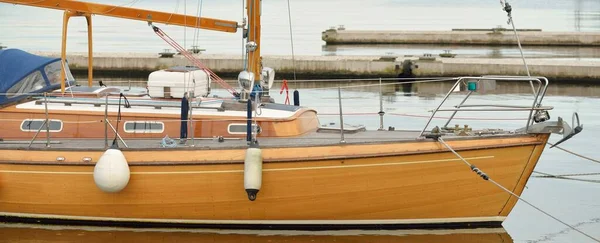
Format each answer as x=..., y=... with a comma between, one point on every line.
x=310, y=139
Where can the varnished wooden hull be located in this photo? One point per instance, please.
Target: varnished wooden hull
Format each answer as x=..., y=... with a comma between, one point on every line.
x=402, y=184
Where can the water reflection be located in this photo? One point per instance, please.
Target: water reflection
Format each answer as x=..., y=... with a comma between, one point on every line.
x=39, y=233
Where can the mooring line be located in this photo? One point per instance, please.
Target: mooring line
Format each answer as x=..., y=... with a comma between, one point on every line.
x=571, y=175
x=567, y=177
x=576, y=154
x=487, y=178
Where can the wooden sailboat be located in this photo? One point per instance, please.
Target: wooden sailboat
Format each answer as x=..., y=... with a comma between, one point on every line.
x=294, y=177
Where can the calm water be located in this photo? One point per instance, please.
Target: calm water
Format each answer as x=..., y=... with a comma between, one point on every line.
x=30, y=233
x=575, y=202
x=40, y=29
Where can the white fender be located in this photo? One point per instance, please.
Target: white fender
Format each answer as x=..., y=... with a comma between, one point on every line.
x=253, y=172
x=111, y=173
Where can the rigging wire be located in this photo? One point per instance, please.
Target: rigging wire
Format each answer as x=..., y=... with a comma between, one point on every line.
x=291, y=39
x=508, y=8
x=112, y=9
x=184, y=24
x=197, y=30
x=174, y=11
x=250, y=32
x=243, y=28
x=254, y=27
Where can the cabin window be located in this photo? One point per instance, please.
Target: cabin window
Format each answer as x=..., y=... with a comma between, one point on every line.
x=32, y=82
x=240, y=128
x=144, y=127
x=33, y=125
x=53, y=71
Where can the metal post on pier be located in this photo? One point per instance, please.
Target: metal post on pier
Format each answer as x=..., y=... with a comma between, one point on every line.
x=381, y=112
x=341, y=115
x=105, y=122
x=47, y=121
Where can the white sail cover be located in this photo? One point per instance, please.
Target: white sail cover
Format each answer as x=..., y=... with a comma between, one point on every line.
x=174, y=82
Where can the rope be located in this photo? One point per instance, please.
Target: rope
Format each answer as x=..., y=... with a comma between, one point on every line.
x=578, y=174
x=194, y=60
x=127, y=105
x=576, y=154
x=487, y=178
x=168, y=142
x=291, y=39
x=565, y=177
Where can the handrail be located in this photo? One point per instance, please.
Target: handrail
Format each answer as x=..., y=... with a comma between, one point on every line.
x=536, y=106
x=132, y=103
x=503, y=109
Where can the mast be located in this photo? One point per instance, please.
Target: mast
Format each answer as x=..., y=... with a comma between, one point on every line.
x=254, y=58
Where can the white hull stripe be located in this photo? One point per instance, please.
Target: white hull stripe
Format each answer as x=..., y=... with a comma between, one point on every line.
x=263, y=222
x=242, y=171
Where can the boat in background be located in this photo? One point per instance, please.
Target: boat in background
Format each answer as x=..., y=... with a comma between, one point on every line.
x=286, y=174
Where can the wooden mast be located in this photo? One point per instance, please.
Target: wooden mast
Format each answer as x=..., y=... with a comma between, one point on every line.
x=254, y=58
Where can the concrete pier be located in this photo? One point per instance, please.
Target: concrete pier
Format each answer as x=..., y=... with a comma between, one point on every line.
x=321, y=67
x=462, y=36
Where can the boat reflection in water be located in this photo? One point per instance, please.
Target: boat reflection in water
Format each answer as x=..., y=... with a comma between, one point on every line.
x=40, y=233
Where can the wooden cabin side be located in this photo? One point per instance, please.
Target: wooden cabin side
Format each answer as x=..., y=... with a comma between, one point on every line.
x=21, y=123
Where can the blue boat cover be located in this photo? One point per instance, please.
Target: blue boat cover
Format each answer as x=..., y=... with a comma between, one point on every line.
x=15, y=66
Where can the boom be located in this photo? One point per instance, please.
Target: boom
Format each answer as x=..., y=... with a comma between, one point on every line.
x=132, y=13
